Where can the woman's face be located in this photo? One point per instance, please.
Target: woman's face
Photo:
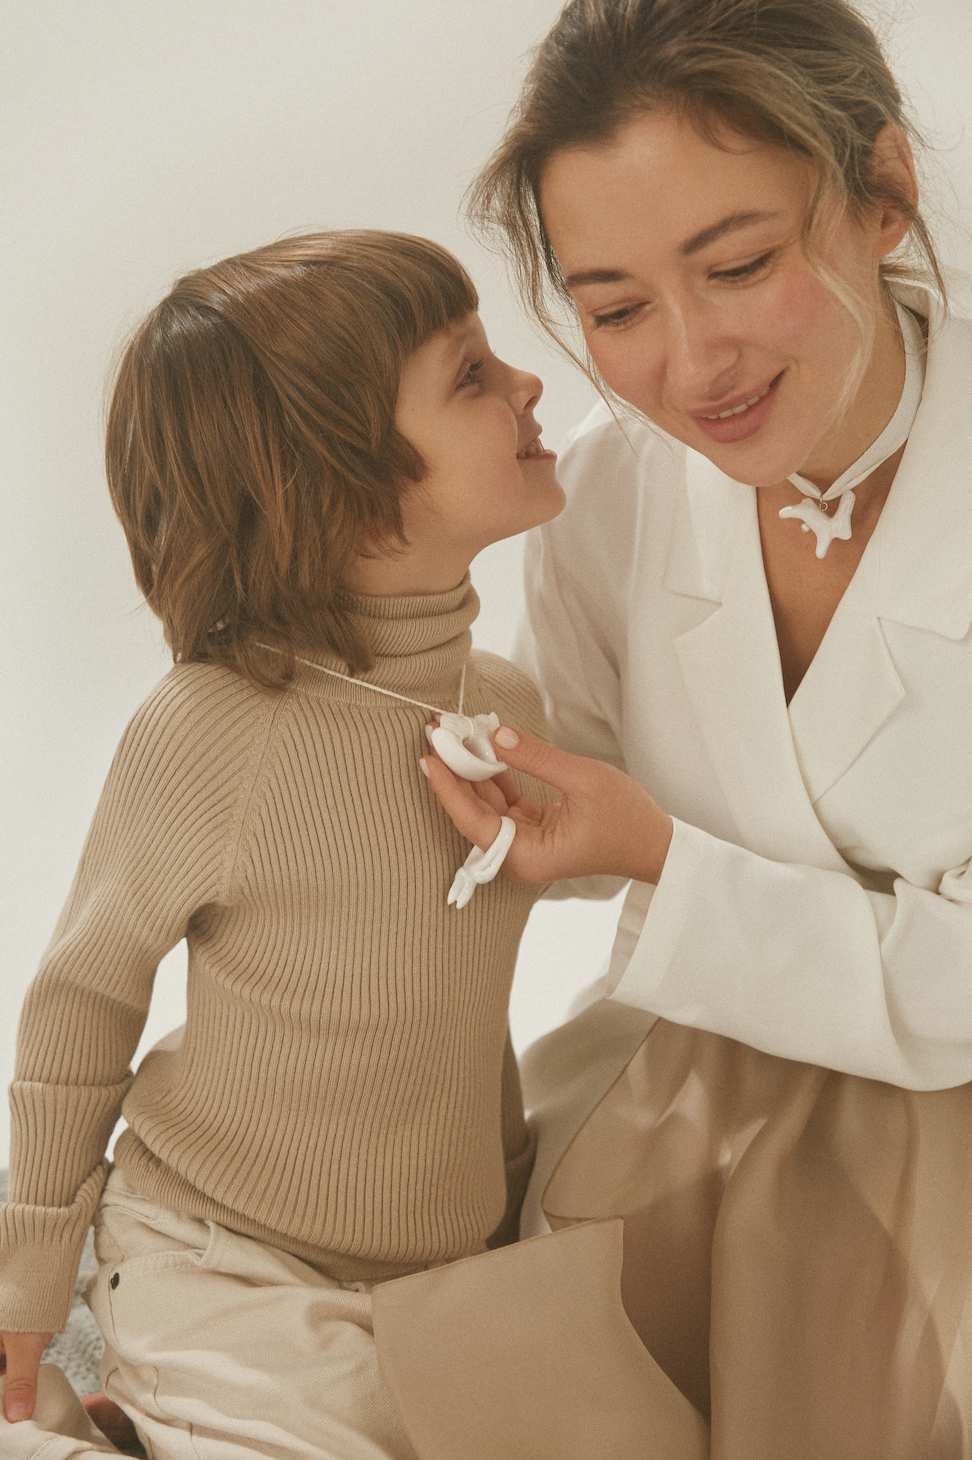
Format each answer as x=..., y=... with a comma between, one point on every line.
x=699, y=307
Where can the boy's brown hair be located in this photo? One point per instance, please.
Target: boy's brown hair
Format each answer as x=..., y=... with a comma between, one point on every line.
x=251, y=444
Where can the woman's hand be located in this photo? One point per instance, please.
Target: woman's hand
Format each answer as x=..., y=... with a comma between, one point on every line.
x=22, y=1355
x=606, y=824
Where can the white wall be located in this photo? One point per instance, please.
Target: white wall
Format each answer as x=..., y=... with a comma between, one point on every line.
x=145, y=138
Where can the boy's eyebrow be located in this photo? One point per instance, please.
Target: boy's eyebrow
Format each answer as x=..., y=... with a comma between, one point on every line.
x=730, y=224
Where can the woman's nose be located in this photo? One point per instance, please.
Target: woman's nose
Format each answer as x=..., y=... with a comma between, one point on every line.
x=698, y=352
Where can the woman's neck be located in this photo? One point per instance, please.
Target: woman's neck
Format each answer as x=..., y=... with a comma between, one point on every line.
x=874, y=403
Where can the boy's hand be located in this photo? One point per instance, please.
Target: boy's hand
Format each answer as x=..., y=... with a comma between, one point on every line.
x=605, y=824
x=20, y=1354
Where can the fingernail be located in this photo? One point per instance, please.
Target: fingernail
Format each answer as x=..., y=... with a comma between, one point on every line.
x=424, y=768
x=17, y=1410
x=428, y=733
x=506, y=738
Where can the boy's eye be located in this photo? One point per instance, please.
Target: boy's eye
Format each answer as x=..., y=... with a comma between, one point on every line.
x=471, y=373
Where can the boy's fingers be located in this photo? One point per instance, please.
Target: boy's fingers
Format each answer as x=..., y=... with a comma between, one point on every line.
x=23, y=1353
x=474, y=820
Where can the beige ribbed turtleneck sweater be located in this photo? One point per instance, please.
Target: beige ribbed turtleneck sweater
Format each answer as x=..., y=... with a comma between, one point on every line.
x=344, y=1087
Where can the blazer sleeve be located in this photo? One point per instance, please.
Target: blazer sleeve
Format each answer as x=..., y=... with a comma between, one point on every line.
x=808, y=964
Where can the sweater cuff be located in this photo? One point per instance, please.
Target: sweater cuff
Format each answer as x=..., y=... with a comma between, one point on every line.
x=40, y=1249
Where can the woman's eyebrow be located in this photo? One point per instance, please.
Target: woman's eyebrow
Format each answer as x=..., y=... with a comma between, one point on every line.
x=715, y=231
x=729, y=224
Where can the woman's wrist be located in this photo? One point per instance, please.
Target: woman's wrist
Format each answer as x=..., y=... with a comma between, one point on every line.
x=647, y=857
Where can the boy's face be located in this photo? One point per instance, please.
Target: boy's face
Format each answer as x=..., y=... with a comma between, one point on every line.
x=470, y=417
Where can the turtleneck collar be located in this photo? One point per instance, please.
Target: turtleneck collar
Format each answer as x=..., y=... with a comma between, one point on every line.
x=420, y=643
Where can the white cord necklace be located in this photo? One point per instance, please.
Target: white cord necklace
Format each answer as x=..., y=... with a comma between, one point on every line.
x=465, y=743
x=812, y=511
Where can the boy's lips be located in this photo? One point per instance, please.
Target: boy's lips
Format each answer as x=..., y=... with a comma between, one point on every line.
x=738, y=416
x=533, y=448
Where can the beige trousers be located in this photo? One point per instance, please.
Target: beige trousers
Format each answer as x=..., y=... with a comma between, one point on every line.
x=219, y=1347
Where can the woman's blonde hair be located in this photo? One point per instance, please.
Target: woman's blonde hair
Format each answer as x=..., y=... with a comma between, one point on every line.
x=251, y=443
x=807, y=76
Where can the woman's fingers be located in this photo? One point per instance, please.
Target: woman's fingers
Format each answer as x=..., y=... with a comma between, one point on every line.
x=570, y=773
x=606, y=822
x=473, y=818
x=22, y=1352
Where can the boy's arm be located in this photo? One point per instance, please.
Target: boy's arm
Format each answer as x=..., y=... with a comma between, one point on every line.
x=519, y=1150
x=157, y=852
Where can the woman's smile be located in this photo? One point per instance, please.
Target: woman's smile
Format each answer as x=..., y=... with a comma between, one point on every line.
x=738, y=422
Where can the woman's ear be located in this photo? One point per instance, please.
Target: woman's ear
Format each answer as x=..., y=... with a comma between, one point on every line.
x=892, y=175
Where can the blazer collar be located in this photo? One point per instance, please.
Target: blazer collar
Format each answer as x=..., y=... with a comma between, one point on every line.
x=924, y=536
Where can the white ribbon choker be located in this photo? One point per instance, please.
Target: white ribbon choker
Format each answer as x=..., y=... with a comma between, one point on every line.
x=812, y=511
x=465, y=743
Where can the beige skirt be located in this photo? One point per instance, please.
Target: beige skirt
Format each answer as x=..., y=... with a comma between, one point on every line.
x=753, y=1259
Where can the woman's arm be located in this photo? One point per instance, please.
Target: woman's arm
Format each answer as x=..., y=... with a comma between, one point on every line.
x=799, y=961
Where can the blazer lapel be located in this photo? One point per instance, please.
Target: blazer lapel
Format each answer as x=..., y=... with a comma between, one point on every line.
x=850, y=688
x=916, y=570
x=730, y=666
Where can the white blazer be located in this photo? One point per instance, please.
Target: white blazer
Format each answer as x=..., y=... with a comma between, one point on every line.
x=817, y=900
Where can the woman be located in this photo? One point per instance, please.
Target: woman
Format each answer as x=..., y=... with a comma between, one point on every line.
x=758, y=607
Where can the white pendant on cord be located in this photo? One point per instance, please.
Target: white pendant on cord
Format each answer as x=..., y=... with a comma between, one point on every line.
x=816, y=519
x=465, y=743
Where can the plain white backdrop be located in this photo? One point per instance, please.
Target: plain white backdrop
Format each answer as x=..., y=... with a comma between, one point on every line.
x=141, y=139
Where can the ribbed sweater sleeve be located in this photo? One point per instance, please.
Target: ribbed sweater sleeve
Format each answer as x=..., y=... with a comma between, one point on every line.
x=158, y=852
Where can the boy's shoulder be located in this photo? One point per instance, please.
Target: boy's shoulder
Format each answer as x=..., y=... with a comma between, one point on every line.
x=190, y=696
x=513, y=694
x=196, y=716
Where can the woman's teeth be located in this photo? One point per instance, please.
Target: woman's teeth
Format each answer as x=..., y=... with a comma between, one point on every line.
x=738, y=410
x=535, y=448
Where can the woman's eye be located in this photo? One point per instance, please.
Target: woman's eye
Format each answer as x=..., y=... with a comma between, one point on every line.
x=744, y=271
x=616, y=317
x=472, y=371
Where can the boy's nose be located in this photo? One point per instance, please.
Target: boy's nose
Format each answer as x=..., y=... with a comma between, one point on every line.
x=527, y=390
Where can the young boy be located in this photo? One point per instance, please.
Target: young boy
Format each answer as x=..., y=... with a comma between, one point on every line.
x=307, y=446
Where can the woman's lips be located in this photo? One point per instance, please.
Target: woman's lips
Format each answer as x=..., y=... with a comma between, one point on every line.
x=744, y=419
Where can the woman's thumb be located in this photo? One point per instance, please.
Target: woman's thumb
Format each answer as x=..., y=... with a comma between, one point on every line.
x=536, y=758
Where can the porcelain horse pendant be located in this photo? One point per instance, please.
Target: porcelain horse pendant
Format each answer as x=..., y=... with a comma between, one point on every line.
x=826, y=527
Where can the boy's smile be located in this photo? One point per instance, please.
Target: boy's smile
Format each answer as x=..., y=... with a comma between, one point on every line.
x=470, y=417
